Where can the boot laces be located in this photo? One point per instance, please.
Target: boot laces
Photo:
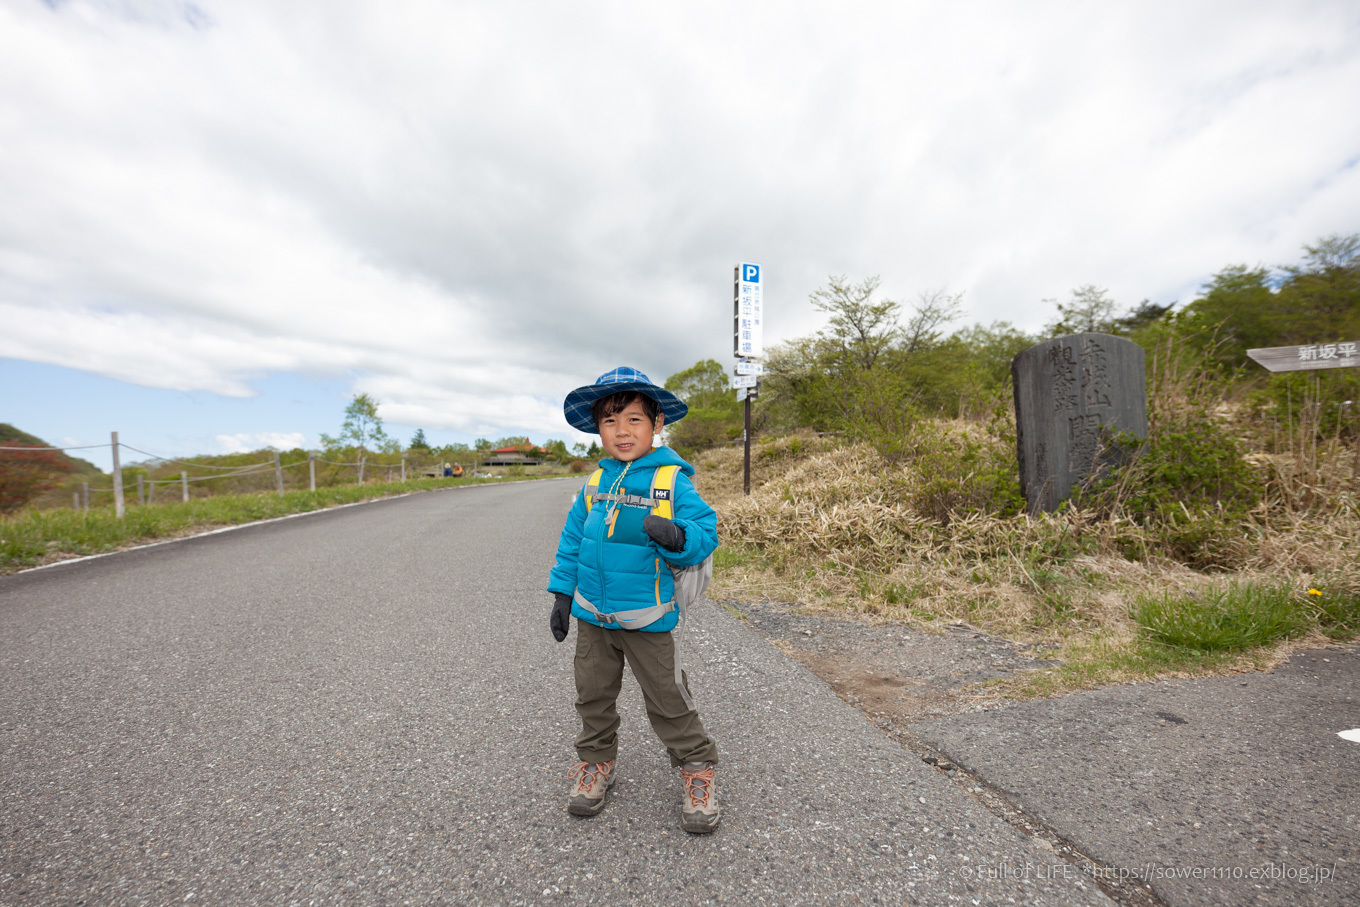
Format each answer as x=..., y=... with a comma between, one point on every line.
x=698, y=784
x=587, y=773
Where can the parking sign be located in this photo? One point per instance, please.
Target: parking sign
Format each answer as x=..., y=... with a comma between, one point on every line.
x=748, y=316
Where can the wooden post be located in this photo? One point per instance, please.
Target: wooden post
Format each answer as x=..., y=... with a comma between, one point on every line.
x=403, y=469
x=278, y=473
x=184, y=485
x=141, y=491
x=311, y=469
x=117, y=480
x=362, y=461
x=75, y=501
x=85, y=495
x=746, y=481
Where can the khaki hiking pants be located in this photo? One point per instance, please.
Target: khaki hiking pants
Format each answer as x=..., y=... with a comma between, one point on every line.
x=600, y=655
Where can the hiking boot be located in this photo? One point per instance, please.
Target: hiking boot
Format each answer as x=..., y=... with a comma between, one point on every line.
x=699, y=812
x=589, y=781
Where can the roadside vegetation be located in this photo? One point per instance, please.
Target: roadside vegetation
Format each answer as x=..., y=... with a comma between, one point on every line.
x=885, y=482
x=33, y=537
x=40, y=524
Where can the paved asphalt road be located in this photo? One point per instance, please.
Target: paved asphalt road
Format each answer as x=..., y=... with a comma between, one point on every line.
x=1226, y=790
x=365, y=706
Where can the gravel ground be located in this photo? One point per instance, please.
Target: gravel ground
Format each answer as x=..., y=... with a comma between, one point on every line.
x=365, y=706
x=893, y=673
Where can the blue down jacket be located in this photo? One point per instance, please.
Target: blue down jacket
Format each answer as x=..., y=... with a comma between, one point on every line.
x=626, y=570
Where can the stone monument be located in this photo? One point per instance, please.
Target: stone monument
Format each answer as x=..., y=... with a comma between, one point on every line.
x=1073, y=395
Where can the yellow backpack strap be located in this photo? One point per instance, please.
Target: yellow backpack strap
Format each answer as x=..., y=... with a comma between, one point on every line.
x=663, y=491
x=593, y=488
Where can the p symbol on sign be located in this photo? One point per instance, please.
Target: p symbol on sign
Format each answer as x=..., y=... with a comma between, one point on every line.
x=750, y=273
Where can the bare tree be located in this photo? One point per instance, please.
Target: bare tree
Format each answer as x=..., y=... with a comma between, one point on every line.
x=860, y=329
x=932, y=310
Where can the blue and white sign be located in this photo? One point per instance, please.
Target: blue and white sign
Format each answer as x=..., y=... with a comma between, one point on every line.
x=748, y=311
x=749, y=367
x=740, y=381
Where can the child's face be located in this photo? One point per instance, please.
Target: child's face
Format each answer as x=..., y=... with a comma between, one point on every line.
x=627, y=435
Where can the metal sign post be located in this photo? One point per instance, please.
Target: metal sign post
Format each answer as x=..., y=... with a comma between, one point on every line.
x=748, y=343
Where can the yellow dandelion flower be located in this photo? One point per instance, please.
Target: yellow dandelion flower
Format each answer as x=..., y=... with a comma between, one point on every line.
x=1314, y=592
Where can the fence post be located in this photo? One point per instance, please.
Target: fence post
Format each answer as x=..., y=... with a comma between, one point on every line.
x=278, y=473
x=117, y=480
x=85, y=495
x=75, y=501
x=403, y=469
x=362, y=461
x=184, y=484
x=141, y=491
x=311, y=468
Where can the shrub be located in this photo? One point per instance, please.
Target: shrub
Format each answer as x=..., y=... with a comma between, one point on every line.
x=27, y=473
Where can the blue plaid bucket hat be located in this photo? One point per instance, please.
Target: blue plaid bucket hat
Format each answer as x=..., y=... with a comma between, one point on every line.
x=578, y=402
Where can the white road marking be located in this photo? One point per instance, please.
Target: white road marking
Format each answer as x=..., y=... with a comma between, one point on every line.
x=1353, y=736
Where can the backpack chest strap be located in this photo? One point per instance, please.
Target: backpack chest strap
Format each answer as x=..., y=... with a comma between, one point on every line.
x=628, y=500
x=660, y=502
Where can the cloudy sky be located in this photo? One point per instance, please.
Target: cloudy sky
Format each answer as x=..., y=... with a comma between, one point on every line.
x=219, y=220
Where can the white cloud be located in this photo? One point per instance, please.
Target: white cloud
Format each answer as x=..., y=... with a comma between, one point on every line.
x=246, y=442
x=470, y=209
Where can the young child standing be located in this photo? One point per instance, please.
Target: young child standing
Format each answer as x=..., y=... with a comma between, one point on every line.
x=612, y=574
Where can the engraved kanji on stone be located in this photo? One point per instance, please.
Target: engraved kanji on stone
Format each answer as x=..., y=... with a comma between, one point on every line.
x=1083, y=443
x=1074, y=395
x=1095, y=374
x=1064, y=377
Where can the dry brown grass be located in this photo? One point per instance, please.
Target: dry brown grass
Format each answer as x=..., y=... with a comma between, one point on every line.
x=832, y=525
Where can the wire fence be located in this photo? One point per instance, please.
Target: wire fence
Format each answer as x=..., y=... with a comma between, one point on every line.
x=240, y=477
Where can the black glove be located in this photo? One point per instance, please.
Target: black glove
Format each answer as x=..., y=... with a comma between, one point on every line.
x=664, y=532
x=560, y=619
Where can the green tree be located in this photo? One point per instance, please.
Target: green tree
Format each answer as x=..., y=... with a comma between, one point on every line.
x=990, y=348
x=362, y=426
x=1089, y=309
x=1140, y=317
x=860, y=328
x=1322, y=294
x=1238, y=311
x=714, y=416
x=557, y=451
x=418, y=441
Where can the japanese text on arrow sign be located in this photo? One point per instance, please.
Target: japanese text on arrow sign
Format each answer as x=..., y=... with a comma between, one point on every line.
x=1308, y=357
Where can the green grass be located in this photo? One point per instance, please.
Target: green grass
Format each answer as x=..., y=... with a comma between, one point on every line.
x=1337, y=611
x=1242, y=616
x=36, y=536
x=726, y=557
